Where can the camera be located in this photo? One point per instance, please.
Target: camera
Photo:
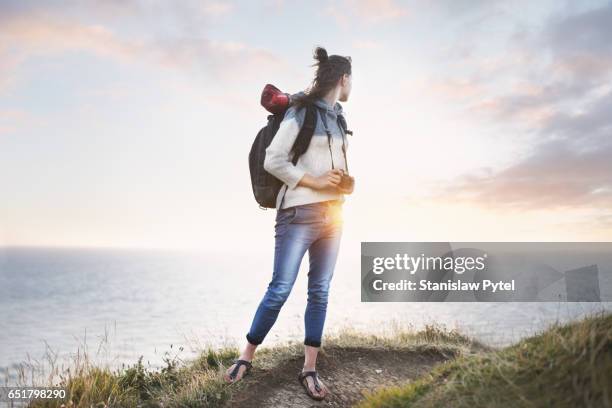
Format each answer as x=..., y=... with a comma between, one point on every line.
x=346, y=181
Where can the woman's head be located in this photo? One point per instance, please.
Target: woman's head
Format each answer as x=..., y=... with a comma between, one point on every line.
x=333, y=73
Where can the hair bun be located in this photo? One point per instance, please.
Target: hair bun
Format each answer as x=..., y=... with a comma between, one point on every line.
x=320, y=54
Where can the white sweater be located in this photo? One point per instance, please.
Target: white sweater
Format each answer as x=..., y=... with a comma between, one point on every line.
x=315, y=161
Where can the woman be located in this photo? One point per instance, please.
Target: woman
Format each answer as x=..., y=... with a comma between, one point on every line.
x=308, y=216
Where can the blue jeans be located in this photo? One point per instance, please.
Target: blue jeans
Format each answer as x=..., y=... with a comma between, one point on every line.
x=316, y=227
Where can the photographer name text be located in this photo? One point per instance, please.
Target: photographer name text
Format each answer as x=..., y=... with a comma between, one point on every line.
x=458, y=285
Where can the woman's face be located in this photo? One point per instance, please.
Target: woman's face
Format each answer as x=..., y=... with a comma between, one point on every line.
x=346, y=84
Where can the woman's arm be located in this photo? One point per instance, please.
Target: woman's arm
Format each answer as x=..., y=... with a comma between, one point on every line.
x=277, y=161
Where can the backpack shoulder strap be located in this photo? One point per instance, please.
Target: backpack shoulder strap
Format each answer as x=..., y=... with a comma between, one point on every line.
x=342, y=123
x=303, y=138
x=305, y=135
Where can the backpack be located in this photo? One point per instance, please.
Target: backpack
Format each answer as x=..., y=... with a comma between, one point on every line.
x=266, y=186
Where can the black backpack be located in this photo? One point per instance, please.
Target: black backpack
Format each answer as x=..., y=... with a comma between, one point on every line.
x=265, y=185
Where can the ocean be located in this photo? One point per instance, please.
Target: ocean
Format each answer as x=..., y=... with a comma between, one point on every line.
x=119, y=305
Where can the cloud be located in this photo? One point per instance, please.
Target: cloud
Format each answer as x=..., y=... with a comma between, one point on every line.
x=530, y=75
x=216, y=8
x=28, y=31
x=42, y=35
x=581, y=43
x=377, y=10
x=368, y=11
x=564, y=99
x=8, y=68
x=225, y=60
x=367, y=44
x=554, y=175
x=456, y=88
x=11, y=119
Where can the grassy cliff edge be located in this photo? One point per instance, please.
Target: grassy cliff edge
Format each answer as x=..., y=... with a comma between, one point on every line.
x=565, y=365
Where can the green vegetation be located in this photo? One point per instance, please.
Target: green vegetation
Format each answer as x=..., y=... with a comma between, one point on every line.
x=195, y=384
x=564, y=366
x=200, y=383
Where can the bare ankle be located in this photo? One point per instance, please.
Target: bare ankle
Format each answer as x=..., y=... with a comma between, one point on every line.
x=248, y=353
x=247, y=357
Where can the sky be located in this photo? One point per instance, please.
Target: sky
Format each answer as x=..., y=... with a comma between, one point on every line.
x=128, y=123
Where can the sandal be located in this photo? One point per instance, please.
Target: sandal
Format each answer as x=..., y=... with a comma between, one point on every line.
x=302, y=379
x=238, y=362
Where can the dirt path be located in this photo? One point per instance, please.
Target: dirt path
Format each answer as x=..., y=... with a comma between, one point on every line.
x=345, y=371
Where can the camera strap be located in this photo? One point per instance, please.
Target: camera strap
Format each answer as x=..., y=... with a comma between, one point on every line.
x=329, y=138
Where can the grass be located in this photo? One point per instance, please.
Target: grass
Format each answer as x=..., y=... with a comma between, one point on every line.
x=195, y=384
x=199, y=382
x=563, y=366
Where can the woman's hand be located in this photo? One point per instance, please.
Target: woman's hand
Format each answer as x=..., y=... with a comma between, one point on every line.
x=348, y=190
x=325, y=181
x=329, y=181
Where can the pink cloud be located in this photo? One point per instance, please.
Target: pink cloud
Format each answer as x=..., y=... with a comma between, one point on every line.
x=216, y=8
x=377, y=10
x=8, y=68
x=456, y=88
x=369, y=11
x=47, y=35
x=367, y=44
x=11, y=120
x=555, y=175
x=40, y=34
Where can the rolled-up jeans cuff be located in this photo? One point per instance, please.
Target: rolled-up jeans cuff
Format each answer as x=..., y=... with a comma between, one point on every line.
x=312, y=343
x=252, y=340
